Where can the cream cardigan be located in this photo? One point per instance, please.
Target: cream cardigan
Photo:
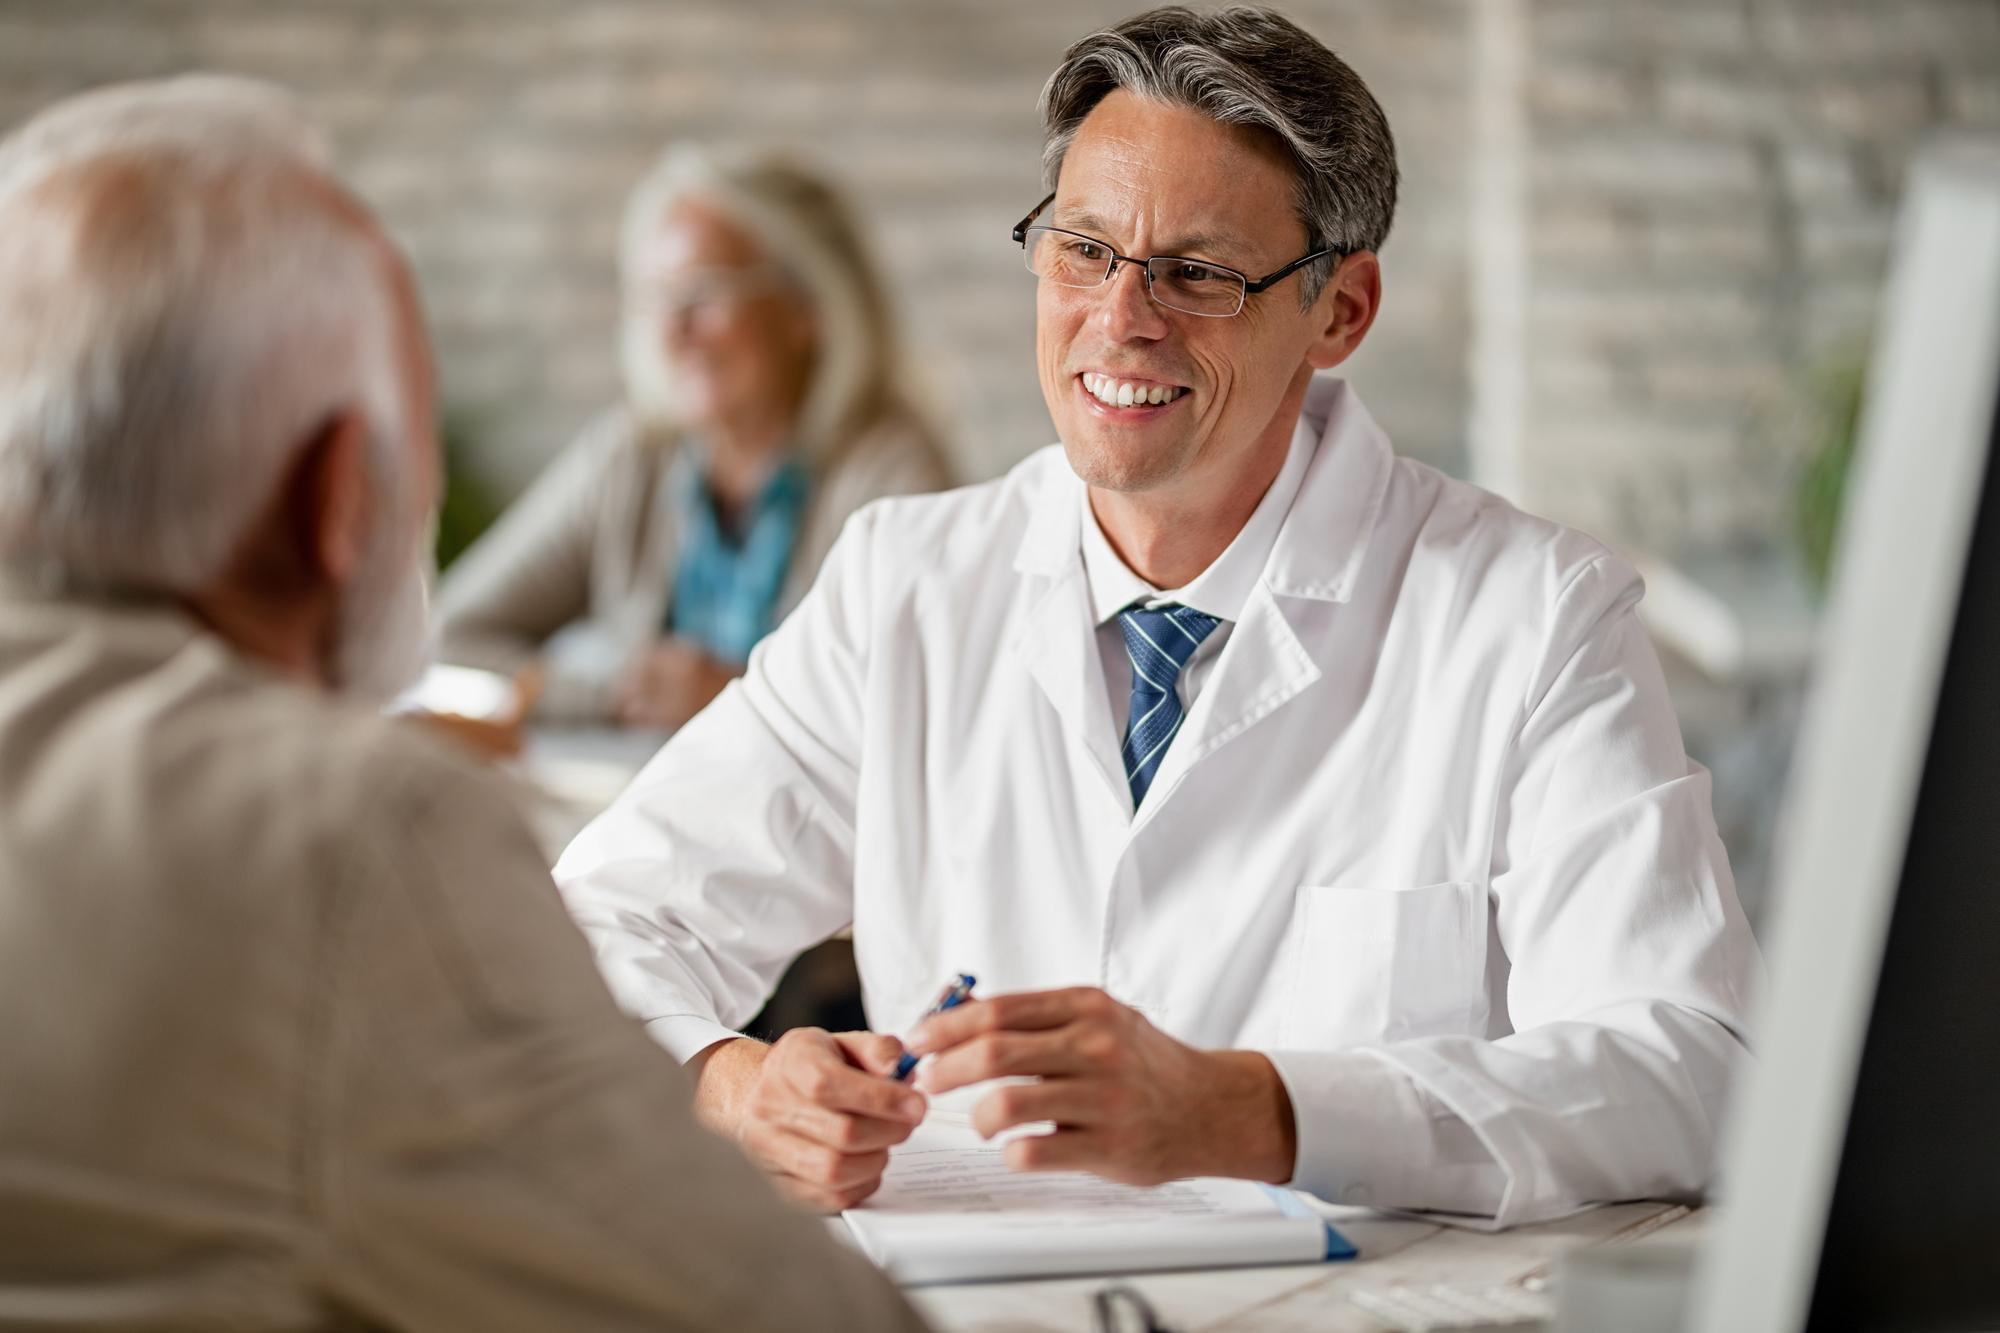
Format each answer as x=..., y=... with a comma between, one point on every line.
x=577, y=574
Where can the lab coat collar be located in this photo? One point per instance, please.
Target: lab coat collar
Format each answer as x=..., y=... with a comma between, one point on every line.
x=1225, y=586
x=1322, y=542
x=1318, y=554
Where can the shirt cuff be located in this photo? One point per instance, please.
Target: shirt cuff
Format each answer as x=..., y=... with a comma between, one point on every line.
x=684, y=1036
x=1369, y=1136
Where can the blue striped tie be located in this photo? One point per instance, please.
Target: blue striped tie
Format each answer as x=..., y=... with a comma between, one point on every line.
x=1159, y=641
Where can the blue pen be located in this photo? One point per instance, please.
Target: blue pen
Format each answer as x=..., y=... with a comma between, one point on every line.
x=957, y=993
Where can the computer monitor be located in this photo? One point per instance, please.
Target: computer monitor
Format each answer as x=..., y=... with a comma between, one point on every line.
x=1861, y=1179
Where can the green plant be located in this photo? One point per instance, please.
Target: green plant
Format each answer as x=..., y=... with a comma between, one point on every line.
x=1835, y=391
x=468, y=507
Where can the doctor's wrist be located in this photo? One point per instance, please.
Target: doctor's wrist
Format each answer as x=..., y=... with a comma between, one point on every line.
x=724, y=1074
x=1249, y=1124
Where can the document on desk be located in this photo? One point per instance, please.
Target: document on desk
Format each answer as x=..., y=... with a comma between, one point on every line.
x=951, y=1210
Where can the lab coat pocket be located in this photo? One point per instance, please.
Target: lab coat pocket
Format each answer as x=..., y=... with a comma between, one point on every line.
x=1373, y=965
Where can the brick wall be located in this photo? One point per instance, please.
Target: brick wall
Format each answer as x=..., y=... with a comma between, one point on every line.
x=1708, y=196
x=1627, y=225
x=498, y=138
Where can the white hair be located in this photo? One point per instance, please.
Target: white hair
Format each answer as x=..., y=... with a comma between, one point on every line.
x=806, y=231
x=182, y=305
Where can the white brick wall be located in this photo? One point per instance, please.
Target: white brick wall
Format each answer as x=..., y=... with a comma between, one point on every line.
x=498, y=138
x=1706, y=190
x=1712, y=190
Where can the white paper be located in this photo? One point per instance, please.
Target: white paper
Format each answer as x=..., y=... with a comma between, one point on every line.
x=951, y=1210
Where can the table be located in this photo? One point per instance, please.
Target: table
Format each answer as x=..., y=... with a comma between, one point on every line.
x=1309, y=1298
x=573, y=773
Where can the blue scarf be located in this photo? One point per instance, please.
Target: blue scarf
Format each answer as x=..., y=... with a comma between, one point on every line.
x=726, y=591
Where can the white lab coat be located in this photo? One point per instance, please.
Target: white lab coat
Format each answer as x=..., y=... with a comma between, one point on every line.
x=1429, y=820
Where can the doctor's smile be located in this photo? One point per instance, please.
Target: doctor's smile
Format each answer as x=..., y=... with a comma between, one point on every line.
x=1128, y=397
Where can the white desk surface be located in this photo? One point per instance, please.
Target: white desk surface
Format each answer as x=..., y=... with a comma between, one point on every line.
x=574, y=772
x=1308, y=1298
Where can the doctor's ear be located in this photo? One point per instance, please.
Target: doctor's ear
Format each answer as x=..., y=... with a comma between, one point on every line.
x=1345, y=309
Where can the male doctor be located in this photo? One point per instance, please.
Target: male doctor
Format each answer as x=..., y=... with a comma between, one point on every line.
x=1304, y=814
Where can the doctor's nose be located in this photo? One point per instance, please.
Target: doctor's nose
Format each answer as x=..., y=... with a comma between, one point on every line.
x=1127, y=312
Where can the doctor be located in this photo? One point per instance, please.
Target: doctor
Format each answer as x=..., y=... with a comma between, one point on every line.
x=1306, y=815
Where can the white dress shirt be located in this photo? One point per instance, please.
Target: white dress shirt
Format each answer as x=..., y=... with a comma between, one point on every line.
x=1219, y=591
x=1427, y=837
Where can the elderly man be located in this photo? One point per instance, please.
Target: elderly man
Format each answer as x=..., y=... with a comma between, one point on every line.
x=1305, y=815
x=297, y=1033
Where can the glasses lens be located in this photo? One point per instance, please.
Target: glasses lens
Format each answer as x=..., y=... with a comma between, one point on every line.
x=1065, y=257
x=1197, y=288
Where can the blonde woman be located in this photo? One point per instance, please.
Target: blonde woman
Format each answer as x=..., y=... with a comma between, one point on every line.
x=762, y=408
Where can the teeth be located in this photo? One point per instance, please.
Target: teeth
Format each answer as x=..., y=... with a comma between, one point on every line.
x=1128, y=393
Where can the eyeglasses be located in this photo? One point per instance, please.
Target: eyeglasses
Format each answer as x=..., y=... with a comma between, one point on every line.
x=703, y=294
x=1121, y=1309
x=1191, y=286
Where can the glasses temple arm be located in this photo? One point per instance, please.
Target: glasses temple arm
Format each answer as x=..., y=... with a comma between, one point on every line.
x=1021, y=227
x=1289, y=269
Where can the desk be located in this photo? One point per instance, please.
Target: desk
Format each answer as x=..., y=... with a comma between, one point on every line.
x=1310, y=1298
x=573, y=773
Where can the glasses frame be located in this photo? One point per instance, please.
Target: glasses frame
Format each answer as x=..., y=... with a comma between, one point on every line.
x=1145, y=266
x=718, y=285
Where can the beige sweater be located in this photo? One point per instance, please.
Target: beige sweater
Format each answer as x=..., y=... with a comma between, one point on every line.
x=298, y=1035
x=578, y=573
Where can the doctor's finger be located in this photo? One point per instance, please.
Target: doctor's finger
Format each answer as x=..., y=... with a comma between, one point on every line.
x=1000, y=1054
x=1023, y=1011
x=824, y=1079
x=1064, y=1150
x=1080, y=1102
x=877, y=1052
x=788, y=1154
x=842, y=1130
x=820, y=1198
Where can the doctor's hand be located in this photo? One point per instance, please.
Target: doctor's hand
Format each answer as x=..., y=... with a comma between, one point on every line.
x=1128, y=1102
x=815, y=1110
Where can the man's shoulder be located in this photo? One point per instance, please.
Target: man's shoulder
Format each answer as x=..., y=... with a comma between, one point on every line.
x=396, y=778
x=1472, y=534
x=164, y=769
x=1494, y=580
x=294, y=772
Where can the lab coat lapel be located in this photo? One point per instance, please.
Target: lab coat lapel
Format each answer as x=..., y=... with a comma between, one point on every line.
x=1316, y=557
x=1263, y=667
x=1057, y=643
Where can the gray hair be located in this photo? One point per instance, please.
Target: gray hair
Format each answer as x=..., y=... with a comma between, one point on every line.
x=183, y=302
x=807, y=232
x=1251, y=66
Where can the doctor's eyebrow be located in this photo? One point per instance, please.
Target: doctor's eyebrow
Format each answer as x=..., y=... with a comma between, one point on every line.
x=1192, y=245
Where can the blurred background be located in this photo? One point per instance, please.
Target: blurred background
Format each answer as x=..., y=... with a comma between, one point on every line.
x=1636, y=256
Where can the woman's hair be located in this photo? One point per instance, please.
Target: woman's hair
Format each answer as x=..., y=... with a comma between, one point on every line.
x=805, y=230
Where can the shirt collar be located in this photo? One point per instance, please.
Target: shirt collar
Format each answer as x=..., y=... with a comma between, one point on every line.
x=785, y=484
x=1219, y=590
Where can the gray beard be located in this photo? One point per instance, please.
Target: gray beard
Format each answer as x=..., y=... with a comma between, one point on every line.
x=385, y=632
